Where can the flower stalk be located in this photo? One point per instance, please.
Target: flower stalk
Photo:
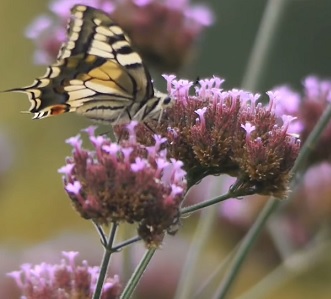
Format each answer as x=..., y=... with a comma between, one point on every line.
x=138, y=273
x=231, y=194
x=108, y=251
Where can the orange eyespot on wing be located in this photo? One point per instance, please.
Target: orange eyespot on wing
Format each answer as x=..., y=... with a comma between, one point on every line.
x=58, y=109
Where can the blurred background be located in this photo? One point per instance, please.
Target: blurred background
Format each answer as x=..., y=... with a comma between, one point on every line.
x=36, y=218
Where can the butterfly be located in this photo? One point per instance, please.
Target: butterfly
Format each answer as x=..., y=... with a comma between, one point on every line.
x=97, y=74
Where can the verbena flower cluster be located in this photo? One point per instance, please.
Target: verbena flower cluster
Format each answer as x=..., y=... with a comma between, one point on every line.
x=228, y=132
x=163, y=31
x=126, y=181
x=64, y=280
x=308, y=108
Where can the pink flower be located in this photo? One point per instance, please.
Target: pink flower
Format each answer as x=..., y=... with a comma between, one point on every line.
x=63, y=280
x=260, y=156
x=124, y=182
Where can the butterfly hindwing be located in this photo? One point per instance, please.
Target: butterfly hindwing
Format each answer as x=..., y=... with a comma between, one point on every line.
x=97, y=74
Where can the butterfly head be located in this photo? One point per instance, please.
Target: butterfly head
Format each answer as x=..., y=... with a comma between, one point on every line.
x=161, y=102
x=164, y=100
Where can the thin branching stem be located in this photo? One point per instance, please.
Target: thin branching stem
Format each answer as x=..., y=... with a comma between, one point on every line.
x=126, y=243
x=197, y=246
x=215, y=275
x=193, y=208
x=101, y=233
x=244, y=249
x=108, y=250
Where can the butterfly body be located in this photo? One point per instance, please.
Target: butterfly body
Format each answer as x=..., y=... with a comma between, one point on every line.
x=97, y=74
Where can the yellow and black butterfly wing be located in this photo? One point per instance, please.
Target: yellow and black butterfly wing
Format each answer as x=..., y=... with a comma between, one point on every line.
x=97, y=73
x=91, y=31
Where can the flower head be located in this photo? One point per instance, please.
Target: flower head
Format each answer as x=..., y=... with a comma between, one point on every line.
x=126, y=182
x=308, y=108
x=63, y=280
x=228, y=132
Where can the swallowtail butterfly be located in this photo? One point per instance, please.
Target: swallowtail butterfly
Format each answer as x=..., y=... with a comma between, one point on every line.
x=97, y=74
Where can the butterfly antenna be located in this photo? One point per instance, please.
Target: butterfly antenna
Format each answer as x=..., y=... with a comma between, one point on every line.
x=14, y=90
x=196, y=82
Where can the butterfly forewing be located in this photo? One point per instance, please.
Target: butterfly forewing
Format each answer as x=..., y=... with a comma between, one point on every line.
x=97, y=74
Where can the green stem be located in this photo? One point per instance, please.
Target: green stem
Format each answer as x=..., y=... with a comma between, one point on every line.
x=136, y=276
x=244, y=248
x=231, y=194
x=202, y=233
x=105, y=262
x=311, y=141
x=126, y=243
x=101, y=233
x=204, y=204
x=215, y=276
x=293, y=266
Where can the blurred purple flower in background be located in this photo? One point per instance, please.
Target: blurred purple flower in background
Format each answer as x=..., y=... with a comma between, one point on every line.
x=63, y=280
x=308, y=108
x=162, y=31
x=312, y=198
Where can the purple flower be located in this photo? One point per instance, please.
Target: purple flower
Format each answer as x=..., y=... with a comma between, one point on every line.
x=316, y=88
x=261, y=155
x=139, y=164
x=74, y=187
x=124, y=182
x=39, y=25
x=112, y=148
x=201, y=15
x=97, y=140
x=288, y=101
x=201, y=113
x=163, y=31
x=307, y=108
x=287, y=119
x=158, y=141
x=63, y=280
x=61, y=8
x=169, y=79
x=181, y=89
x=314, y=190
x=74, y=141
x=131, y=130
x=249, y=128
x=142, y=2
x=90, y=130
